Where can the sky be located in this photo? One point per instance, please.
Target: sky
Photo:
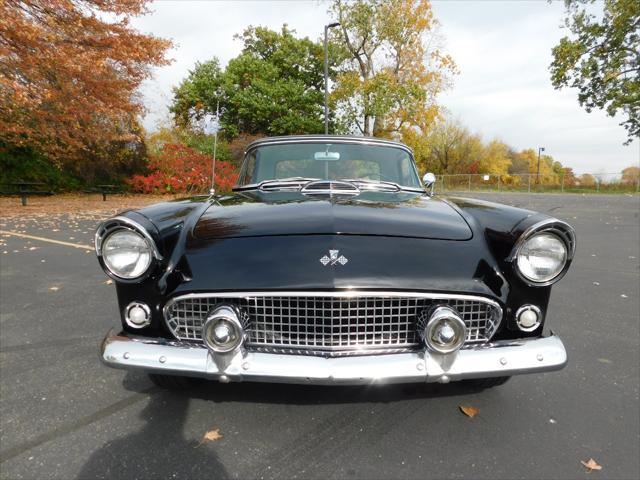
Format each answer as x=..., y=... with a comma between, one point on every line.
x=502, y=49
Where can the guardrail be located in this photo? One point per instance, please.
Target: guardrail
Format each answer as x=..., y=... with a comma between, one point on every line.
x=532, y=183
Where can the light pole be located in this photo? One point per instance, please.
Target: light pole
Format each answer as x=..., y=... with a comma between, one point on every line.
x=541, y=149
x=326, y=76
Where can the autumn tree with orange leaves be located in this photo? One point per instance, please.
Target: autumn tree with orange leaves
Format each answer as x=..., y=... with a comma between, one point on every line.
x=69, y=70
x=392, y=70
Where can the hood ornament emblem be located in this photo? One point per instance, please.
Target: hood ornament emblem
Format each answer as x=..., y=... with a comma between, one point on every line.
x=333, y=258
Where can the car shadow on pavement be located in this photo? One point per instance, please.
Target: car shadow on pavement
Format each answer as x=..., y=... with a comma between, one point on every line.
x=294, y=394
x=159, y=449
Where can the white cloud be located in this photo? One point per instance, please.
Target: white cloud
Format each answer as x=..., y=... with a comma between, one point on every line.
x=503, y=50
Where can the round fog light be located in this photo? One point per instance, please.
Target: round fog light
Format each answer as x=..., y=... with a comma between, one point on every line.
x=528, y=318
x=222, y=332
x=137, y=315
x=445, y=331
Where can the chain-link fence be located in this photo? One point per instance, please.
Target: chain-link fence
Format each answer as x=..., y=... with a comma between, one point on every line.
x=532, y=183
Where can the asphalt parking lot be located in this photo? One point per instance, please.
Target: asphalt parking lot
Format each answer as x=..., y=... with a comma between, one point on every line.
x=64, y=415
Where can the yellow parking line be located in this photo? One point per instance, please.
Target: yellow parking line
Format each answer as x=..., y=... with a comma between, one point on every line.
x=50, y=240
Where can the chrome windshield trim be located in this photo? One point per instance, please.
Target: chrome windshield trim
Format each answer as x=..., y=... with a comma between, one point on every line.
x=328, y=139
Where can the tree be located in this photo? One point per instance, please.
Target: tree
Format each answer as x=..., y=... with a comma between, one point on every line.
x=452, y=149
x=568, y=176
x=112, y=161
x=519, y=165
x=587, y=180
x=547, y=173
x=275, y=86
x=602, y=60
x=391, y=75
x=630, y=175
x=198, y=93
x=69, y=70
x=495, y=158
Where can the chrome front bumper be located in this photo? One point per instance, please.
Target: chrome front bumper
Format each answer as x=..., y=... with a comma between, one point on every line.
x=496, y=359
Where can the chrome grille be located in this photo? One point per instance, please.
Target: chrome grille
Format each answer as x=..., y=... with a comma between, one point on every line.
x=339, y=322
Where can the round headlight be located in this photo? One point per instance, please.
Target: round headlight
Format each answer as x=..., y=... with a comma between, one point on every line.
x=126, y=254
x=542, y=257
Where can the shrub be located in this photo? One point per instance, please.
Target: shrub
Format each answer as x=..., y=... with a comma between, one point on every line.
x=23, y=164
x=177, y=168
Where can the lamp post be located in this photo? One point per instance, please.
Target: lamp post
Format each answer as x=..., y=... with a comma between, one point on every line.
x=541, y=149
x=326, y=76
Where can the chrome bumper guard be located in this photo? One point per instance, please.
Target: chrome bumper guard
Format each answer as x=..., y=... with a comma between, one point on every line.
x=496, y=359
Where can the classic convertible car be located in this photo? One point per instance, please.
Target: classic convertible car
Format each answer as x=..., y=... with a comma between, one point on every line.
x=332, y=263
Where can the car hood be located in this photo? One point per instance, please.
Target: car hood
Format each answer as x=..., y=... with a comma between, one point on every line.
x=391, y=214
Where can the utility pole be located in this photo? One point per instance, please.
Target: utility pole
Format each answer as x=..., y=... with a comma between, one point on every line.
x=326, y=76
x=541, y=149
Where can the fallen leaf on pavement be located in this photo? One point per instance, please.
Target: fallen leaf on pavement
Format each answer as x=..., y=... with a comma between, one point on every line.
x=469, y=411
x=591, y=465
x=210, y=436
x=54, y=289
x=108, y=282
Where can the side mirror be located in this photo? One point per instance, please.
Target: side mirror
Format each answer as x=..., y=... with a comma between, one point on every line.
x=429, y=180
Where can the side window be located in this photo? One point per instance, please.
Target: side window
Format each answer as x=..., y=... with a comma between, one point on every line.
x=249, y=168
x=407, y=172
x=404, y=170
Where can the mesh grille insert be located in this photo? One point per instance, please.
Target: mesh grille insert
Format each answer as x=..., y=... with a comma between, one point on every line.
x=312, y=323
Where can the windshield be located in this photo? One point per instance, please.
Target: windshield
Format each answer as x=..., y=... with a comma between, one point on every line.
x=329, y=161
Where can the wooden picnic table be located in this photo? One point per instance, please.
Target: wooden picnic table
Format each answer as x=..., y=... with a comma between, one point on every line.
x=104, y=189
x=26, y=189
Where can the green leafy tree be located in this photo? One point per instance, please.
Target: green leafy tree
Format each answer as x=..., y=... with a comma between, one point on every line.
x=602, y=58
x=198, y=93
x=274, y=87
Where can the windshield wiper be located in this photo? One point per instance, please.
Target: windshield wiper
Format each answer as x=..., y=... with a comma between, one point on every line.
x=289, y=183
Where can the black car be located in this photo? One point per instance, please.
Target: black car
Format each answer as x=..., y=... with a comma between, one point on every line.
x=333, y=263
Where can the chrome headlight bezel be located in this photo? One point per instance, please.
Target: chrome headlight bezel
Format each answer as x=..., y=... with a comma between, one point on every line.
x=559, y=230
x=118, y=224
